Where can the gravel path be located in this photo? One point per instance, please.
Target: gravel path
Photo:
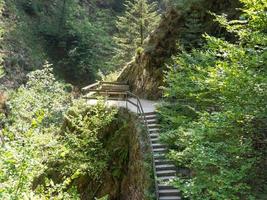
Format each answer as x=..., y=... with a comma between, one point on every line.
x=148, y=106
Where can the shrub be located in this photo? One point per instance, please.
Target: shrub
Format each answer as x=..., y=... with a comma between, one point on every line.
x=216, y=111
x=30, y=134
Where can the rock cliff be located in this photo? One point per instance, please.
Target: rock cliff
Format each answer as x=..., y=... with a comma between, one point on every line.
x=183, y=24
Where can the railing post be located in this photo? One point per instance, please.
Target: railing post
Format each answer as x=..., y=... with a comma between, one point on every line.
x=137, y=105
x=106, y=99
x=126, y=100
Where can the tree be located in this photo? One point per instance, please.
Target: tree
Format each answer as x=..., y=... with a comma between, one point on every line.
x=1, y=37
x=30, y=137
x=139, y=19
x=214, y=120
x=80, y=46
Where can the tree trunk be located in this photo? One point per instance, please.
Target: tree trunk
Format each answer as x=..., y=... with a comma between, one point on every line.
x=62, y=19
x=142, y=25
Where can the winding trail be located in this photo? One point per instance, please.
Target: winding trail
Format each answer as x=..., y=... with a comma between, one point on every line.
x=148, y=106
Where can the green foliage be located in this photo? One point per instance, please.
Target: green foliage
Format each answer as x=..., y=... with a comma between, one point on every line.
x=1, y=37
x=41, y=94
x=76, y=36
x=40, y=160
x=23, y=159
x=29, y=138
x=215, y=118
x=87, y=42
x=51, y=150
x=25, y=51
x=82, y=135
x=2, y=72
x=193, y=29
x=139, y=19
x=103, y=198
x=110, y=77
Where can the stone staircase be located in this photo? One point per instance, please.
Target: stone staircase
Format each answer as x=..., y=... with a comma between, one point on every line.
x=164, y=169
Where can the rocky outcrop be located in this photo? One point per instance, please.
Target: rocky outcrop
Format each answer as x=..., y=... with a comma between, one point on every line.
x=183, y=24
x=3, y=113
x=128, y=175
x=3, y=99
x=145, y=72
x=128, y=171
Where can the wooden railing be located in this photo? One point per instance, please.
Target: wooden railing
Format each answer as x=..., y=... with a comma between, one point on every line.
x=99, y=84
x=96, y=87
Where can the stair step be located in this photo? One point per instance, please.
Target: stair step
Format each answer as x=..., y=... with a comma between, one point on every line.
x=151, y=122
x=153, y=129
x=164, y=187
x=165, y=167
x=154, y=135
x=166, y=173
x=159, y=156
x=155, y=140
x=170, y=198
x=147, y=119
x=161, y=161
x=169, y=192
x=158, y=145
x=151, y=117
x=150, y=113
x=153, y=126
x=165, y=178
x=159, y=150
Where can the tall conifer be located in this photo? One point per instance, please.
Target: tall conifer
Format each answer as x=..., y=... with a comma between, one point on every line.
x=139, y=19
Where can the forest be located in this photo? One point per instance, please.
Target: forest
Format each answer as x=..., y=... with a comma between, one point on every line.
x=133, y=99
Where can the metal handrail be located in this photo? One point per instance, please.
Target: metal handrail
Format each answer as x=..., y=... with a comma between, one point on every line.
x=113, y=83
x=140, y=108
x=91, y=86
x=140, y=111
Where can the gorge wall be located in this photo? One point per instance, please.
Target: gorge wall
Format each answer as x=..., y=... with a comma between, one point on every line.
x=183, y=25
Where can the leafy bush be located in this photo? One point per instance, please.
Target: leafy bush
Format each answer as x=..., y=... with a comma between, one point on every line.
x=41, y=94
x=110, y=77
x=215, y=116
x=1, y=38
x=29, y=136
x=82, y=135
x=34, y=146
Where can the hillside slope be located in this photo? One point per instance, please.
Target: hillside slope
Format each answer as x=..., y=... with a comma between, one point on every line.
x=74, y=36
